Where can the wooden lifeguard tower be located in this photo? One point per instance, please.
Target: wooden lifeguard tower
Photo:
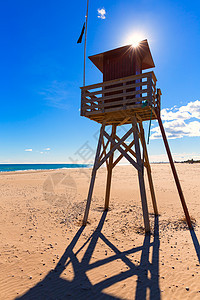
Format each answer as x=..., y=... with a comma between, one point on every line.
x=126, y=96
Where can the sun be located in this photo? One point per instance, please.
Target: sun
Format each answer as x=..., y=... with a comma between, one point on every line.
x=135, y=39
x=135, y=43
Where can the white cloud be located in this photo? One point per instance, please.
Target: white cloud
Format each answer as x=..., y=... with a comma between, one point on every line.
x=101, y=13
x=28, y=150
x=41, y=152
x=168, y=115
x=180, y=121
x=47, y=149
x=185, y=112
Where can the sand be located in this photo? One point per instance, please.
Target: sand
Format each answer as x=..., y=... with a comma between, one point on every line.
x=46, y=254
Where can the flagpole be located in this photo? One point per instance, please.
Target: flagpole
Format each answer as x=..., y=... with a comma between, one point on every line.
x=86, y=22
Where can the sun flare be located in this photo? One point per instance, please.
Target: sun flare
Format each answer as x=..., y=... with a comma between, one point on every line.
x=134, y=39
x=135, y=43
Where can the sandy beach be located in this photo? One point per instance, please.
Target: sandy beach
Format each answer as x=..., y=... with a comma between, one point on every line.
x=46, y=254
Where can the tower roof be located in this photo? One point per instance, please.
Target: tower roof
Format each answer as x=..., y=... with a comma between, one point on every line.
x=142, y=50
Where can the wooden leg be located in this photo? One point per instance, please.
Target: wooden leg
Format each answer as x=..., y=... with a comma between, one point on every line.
x=153, y=197
x=140, y=176
x=94, y=171
x=178, y=185
x=109, y=174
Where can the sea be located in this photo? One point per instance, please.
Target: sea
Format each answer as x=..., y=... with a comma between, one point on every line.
x=27, y=167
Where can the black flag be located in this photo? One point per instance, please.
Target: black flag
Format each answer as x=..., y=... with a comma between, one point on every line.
x=82, y=33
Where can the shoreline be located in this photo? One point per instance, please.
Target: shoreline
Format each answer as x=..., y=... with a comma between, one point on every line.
x=90, y=166
x=44, y=170
x=38, y=171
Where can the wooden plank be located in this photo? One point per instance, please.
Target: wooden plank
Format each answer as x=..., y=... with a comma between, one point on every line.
x=121, y=95
x=154, y=113
x=130, y=150
x=140, y=176
x=116, y=145
x=138, y=117
x=121, y=114
x=118, y=88
x=158, y=96
x=150, y=94
x=154, y=77
x=121, y=155
x=104, y=149
x=116, y=109
x=116, y=81
x=113, y=121
x=178, y=185
x=153, y=197
x=89, y=94
x=115, y=117
x=94, y=170
x=138, y=167
x=124, y=121
x=126, y=146
x=109, y=174
x=121, y=102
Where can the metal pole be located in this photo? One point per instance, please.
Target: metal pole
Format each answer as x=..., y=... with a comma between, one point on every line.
x=86, y=22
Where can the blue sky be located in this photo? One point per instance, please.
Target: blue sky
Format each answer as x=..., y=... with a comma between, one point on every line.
x=42, y=70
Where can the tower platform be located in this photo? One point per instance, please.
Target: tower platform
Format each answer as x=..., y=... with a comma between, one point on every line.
x=116, y=101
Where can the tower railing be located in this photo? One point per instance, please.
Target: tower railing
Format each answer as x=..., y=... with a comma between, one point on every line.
x=128, y=93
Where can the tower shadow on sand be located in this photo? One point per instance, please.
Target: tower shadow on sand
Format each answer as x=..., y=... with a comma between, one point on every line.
x=196, y=243
x=54, y=287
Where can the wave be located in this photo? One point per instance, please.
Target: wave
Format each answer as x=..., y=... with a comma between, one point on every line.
x=39, y=167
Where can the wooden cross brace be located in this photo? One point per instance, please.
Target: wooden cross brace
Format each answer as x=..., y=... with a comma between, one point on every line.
x=117, y=146
x=134, y=157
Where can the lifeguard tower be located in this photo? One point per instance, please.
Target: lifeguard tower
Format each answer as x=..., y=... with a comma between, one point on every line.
x=126, y=96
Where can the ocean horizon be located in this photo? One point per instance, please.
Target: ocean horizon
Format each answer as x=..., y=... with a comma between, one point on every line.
x=38, y=167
